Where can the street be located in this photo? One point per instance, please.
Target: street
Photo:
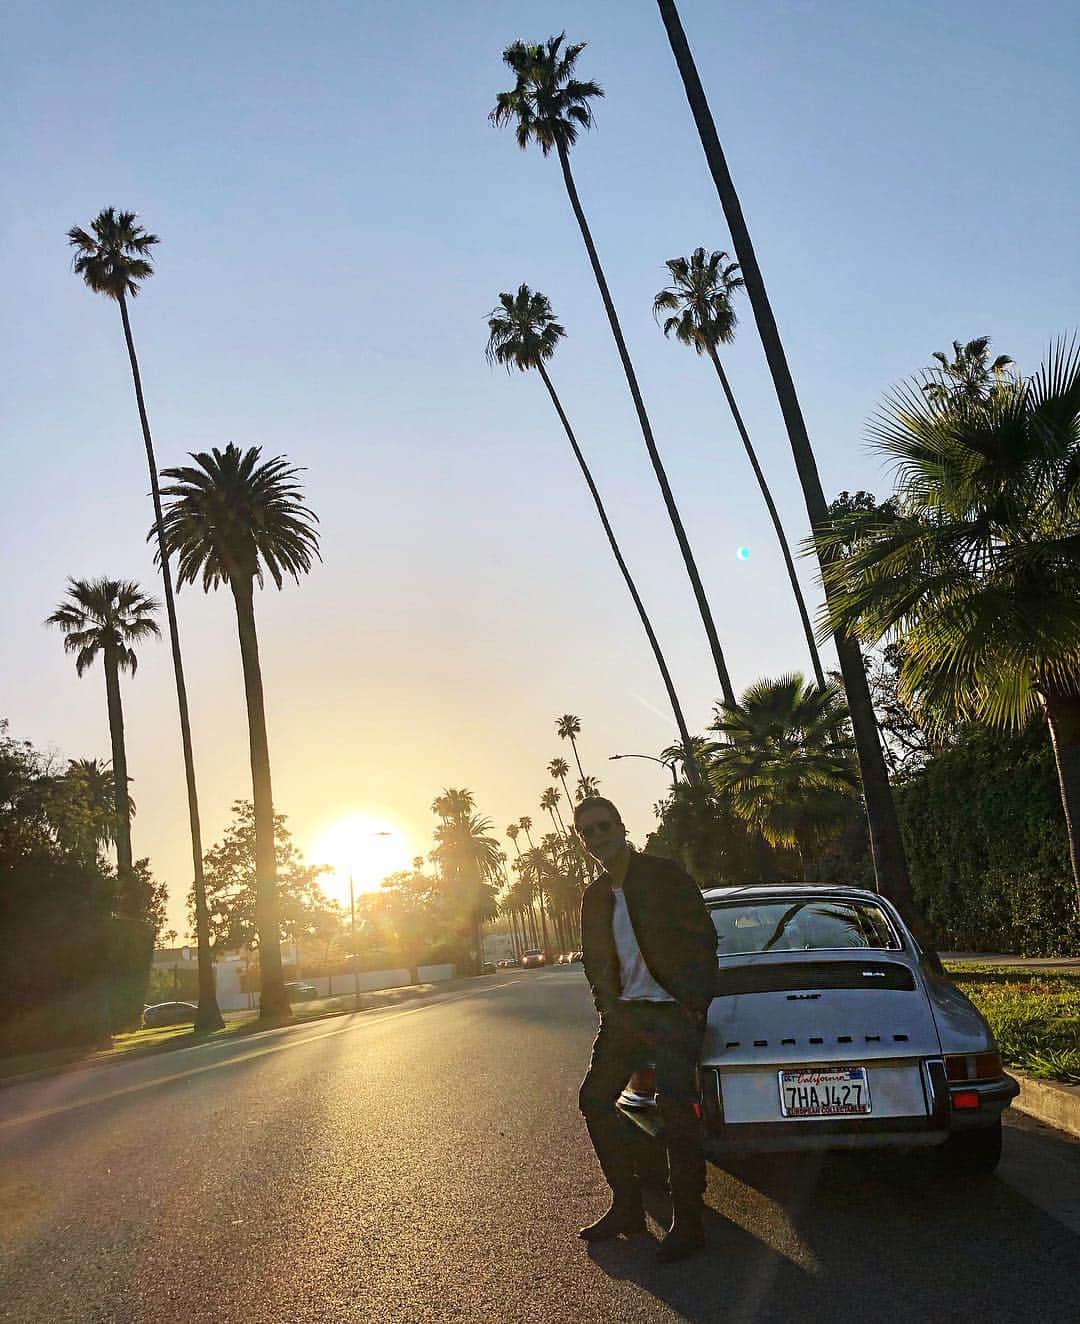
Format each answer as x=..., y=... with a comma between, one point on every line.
x=428, y=1163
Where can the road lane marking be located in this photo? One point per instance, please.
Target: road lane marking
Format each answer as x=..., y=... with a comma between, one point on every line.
x=136, y=1088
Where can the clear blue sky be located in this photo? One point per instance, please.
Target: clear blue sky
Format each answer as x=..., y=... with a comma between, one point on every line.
x=337, y=216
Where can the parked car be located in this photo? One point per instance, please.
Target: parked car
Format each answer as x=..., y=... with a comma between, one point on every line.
x=532, y=958
x=299, y=991
x=507, y=963
x=831, y=1030
x=168, y=1013
x=487, y=968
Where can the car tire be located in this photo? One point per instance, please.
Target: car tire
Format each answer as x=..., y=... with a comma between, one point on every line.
x=973, y=1153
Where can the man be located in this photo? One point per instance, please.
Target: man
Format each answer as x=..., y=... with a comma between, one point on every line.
x=649, y=950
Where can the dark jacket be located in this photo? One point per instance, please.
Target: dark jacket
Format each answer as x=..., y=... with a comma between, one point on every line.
x=672, y=927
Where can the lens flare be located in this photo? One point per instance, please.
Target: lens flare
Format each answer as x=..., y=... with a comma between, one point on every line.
x=743, y=553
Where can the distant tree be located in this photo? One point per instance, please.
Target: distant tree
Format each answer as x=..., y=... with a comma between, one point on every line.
x=416, y=912
x=968, y=377
x=548, y=105
x=467, y=855
x=568, y=727
x=231, y=871
x=560, y=768
x=233, y=519
x=587, y=786
x=701, y=308
x=105, y=618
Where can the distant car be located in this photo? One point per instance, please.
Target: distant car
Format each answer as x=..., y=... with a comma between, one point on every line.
x=168, y=1013
x=299, y=991
x=488, y=968
x=507, y=963
x=532, y=958
x=831, y=1029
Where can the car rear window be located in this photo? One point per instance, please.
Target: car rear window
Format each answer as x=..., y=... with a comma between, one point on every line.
x=801, y=924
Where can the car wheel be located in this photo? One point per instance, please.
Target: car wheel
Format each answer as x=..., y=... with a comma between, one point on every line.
x=973, y=1153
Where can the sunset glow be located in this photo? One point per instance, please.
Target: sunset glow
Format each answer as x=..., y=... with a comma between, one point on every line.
x=364, y=845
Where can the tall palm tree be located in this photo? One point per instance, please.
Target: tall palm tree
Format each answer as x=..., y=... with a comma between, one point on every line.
x=975, y=564
x=785, y=760
x=512, y=832
x=549, y=801
x=559, y=768
x=587, y=786
x=568, y=727
x=702, y=315
x=231, y=519
x=523, y=334
x=968, y=376
x=549, y=106
x=104, y=618
x=453, y=803
x=525, y=823
x=114, y=260
x=887, y=847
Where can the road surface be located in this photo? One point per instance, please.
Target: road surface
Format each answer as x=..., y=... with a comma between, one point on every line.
x=427, y=1163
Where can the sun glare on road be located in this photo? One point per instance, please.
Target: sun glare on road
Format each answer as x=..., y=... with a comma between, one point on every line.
x=364, y=845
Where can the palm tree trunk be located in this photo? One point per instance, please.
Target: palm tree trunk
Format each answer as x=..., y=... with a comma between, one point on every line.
x=1063, y=718
x=781, y=537
x=673, y=698
x=208, y=1016
x=543, y=921
x=273, y=1000
x=125, y=874
x=647, y=433
x=886, y=844
x=566, y=791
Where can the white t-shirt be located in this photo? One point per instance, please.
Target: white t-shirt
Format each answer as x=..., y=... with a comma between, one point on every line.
x=637, y=982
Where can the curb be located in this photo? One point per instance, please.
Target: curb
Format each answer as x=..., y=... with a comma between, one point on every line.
x=1049, y=1101
x=377, y=998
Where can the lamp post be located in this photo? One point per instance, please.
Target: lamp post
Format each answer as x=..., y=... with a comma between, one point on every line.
x=352, y=928
x=653, y=759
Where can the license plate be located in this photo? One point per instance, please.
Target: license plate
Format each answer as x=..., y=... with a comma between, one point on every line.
x=824, y=1092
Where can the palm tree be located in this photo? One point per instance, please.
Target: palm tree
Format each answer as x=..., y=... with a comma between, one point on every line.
x=232, y=519
x=559, y=768
x=468, y=856
x=548, y=106
x=512, y=832
x=453, y=803
x=974, y=565
x=525, y=824
x=104, y=618
x=785, y=760
x=969, y=376
x=568, y=727
x=91, y=784
x=113, y=261
x=702, y=315
x=536, y=868
x=887, y=847
x=549, y=800
x=587, y=786
x=524, y=335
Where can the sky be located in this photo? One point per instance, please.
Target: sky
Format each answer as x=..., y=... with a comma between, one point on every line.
x=337, y=217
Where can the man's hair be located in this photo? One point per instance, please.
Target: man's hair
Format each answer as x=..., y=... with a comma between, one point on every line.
x=596, y=802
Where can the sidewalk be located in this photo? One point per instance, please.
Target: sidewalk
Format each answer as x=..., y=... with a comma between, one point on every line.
x=1065, y=964
x=16, y=1071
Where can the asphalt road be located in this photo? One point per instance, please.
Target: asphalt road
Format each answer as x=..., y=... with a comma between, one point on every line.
x=427, y=1163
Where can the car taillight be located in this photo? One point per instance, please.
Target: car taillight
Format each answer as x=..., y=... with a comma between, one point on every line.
x=966, y=1099
x=972, y=1066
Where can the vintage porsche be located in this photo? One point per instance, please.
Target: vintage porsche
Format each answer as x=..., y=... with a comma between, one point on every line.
x=831, y=1029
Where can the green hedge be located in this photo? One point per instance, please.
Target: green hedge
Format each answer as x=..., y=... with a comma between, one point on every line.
x=985, y=836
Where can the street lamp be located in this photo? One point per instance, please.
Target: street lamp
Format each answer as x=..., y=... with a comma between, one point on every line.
x=352, y=929
x=653, y=759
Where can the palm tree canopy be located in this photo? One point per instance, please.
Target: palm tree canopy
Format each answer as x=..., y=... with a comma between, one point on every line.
x=550, y=798
x=105, y=614
x=116, y=256
x=568, y=726
x=969, y=375
x=785, y=759
x=558, y=768
x=976, y=566
x=454, y=803
x=547, y=104
x=512, y=831
x=525, y=823
x=522, y=331
x=699, y=299
x=233, y=517
x=588, y=786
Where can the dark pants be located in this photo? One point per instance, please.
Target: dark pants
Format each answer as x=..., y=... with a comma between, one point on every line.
x=634, y=1035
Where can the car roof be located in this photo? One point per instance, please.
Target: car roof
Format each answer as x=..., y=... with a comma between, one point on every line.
x=774, y=891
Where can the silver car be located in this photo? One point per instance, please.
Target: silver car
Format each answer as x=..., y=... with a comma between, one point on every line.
x=831, y=1030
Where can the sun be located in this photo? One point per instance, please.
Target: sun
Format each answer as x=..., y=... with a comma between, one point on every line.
x=364, y=845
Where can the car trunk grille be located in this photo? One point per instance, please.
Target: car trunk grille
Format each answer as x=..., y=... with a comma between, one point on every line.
x=808, y=975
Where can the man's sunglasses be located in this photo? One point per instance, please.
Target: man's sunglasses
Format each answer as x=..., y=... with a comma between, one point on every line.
x=595, y=829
